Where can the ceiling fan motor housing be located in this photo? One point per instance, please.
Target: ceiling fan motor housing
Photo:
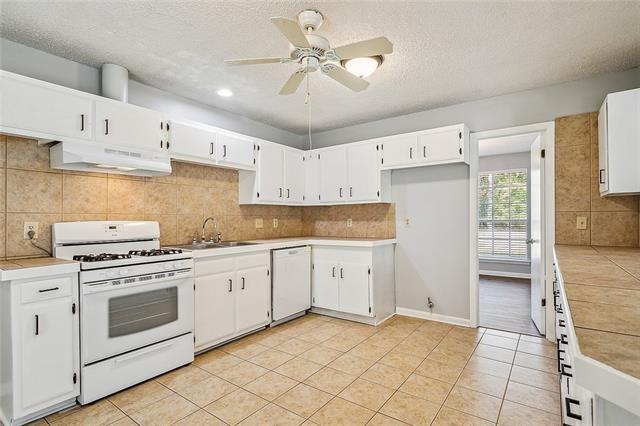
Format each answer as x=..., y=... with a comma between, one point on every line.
x=319, y=45
x=310, y=19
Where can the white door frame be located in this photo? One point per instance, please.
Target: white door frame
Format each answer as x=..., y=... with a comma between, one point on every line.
x=547, y=142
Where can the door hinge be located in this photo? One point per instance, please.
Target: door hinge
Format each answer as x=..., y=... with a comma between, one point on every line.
x=369, y=309
x=254, y=161
x=369, y=271
x=377, y=147
x=258, y=194
x=382, y=161
x=313, y=299
x=318, y=196
x=303, y=198
x=267, y=272
x=194, y=337
x=318, y=156
x=460, y=151
x=378, y=193
x=544, y=302
x=75, y=378
x=73, y=308
x=194, y=287
x=268, y=314
x=459, y=135
x=542, y=152
x=313, y=266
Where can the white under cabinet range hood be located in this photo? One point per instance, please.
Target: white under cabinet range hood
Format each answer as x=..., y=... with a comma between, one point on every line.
x=98, y=157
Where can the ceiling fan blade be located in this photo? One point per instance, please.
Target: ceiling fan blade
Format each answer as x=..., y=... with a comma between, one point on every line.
x=291, y=30
x=293, y=83
x=254, y=61
x=372, y=47
x=345, y=78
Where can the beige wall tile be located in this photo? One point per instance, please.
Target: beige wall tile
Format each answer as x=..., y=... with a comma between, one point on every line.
x=3, y=235
x=3, y=151
x=125, y=196
x=29, y=191
x=187, y=225
x=566, y=232
x=189, y=174
x=192, y=199
x=573, y=130
x=3, y=190
x=614, y=229
x=168, y=227
x=572, y=194
x=75, y=217
x=16, y=245
x=84, y=194
x=159, y=198
x=125, y=216
x=26, y=154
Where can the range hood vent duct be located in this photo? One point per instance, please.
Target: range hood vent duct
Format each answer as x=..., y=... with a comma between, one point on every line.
x=115, y=82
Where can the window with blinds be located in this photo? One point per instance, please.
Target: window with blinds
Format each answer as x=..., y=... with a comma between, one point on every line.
x=502, y=219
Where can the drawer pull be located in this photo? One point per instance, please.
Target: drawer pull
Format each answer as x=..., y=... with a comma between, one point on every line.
x=44, y=290
x=567, y=404
x=37, y=325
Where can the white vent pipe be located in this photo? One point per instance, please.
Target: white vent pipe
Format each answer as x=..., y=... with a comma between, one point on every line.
x=115, y=82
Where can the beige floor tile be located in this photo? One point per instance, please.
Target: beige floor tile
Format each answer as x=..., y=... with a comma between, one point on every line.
x=271, y=358
x=382, y=420
x=134, y=398
x=513, y=414
x=489, y=366
x=243, y=373
x=501, y=333
x=60, y=414
x=449, y=417
x=272, y=415
x=316, y=336
x=387, y=376
x=499, y=341
x=533, y=397
x=369, y=351
x=534, y=339
x=426, y=388
x=330, y=380
x=537, y=349
x=351, y=364
x=295, y=346
x=299, y=369
x=474, y=403
x=200, y=418
x=270, y=386
x=341, y=342
x=236, y=406
x=270, y=340
x=409, y=409
x=244, y=349
x=384, y=341
x=494, y=352
x=125, y=421
x=321, y=355
x=367, y=394
x=536, y=378
x=183, y=377
x=438, y=370
x=164, y=412
x=448, y=356
x=466, y=333
x=216, y=361
x=341, y=412
x=536, y=362
x=303, y=400
x=43, y=422
x=481, y=382
x=464, y=347
x=99, y=413
x=415, y=347
x=401, y=360
x=205, y=392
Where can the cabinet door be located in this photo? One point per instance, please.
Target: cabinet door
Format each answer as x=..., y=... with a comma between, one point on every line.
x=312, y=178
x=440, y=146
x=254, y=298
x=603, y=179
x=215, y=308
x=47, y=353
x=44, y=108
x=294, y=176
x=354, y=288
x=333, y=175
x=235, y=150
x=400, y=150
x=271, y=172
x=324, y=285
x=363, y=172
x=129, y=126
x=188, y=140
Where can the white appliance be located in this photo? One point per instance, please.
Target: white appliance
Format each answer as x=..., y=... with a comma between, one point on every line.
x=291, y=282
x=136, y=303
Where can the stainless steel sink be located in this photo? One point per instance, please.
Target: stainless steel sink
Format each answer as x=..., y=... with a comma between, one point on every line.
x=211, y=245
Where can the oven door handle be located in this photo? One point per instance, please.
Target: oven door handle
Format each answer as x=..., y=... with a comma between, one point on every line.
x=102, y=287
x=142, y=352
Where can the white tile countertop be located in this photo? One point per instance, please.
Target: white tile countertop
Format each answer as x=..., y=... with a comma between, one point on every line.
x=17, y=269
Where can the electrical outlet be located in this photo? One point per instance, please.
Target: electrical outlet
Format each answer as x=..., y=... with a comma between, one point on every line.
x=349, y=223
x=581, y=222
x=275, y=222
x=30, y=226
x=259, y=223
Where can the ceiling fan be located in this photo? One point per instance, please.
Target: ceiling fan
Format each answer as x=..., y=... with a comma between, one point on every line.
x=314, y=52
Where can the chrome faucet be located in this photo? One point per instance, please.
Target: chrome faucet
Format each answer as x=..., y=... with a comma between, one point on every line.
x=215, y=226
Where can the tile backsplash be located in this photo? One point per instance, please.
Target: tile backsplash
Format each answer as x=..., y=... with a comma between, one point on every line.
x=611, y=221
x=30, y=191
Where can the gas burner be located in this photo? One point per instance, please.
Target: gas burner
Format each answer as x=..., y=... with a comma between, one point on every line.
x=154, y=252
x=100, y=257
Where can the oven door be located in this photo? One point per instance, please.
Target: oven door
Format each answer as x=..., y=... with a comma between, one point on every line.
x=117, y=318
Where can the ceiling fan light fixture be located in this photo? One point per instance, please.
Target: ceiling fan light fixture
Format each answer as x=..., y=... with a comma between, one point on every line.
x=363, y=66
x=225, y=93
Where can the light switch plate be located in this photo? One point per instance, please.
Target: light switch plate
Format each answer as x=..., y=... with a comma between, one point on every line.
x=259, y=223
x=30, y=226
x=581, y=222
x=275, y=222
x=349, y=223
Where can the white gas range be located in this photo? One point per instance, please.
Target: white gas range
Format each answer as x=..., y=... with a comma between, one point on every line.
x=136, y=303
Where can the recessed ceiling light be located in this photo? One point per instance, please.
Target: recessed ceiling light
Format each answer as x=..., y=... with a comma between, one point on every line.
x=362, y=67
x=225, y=93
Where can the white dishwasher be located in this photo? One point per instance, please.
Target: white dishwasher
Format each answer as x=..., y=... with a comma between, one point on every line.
x=291, y=282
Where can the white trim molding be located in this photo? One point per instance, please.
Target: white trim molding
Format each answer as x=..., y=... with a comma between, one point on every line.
x=505, y=274
x=432, y=317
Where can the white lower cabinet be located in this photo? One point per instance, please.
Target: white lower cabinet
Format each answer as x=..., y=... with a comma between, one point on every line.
x=232, y=297
x=40, y=346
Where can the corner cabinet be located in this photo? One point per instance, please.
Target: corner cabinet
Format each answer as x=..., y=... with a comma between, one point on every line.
x=355, y=283
x=619, y=143
x=232, y=297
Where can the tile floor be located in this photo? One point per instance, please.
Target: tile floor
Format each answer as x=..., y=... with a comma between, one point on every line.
x=320, y=370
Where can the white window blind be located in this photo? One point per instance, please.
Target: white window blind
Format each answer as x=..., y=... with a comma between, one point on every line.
x=502, y=219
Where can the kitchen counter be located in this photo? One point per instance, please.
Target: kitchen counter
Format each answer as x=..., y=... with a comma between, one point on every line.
x=16, y=269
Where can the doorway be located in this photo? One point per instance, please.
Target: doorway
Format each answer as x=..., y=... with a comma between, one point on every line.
x=512, y=224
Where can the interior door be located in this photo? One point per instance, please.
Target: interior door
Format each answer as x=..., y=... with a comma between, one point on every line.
x=215, y=307
x=324, y=285
x=333, y=175
x=536, y=246
x=271, y=172
x=253, y=286
x=363, y=172
x=354, y=288
x=294, y=176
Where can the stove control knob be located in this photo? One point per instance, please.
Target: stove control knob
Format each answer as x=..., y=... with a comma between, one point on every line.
x=124, y=271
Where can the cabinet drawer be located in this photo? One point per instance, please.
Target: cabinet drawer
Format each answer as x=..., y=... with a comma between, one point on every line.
x=217, y=265
x=46, y=289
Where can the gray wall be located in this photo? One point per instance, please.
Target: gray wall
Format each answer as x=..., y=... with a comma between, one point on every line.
x=34, y=63
x=520, y=160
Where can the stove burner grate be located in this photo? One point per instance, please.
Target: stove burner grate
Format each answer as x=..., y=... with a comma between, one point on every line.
x=154, y=252
x=100, y=257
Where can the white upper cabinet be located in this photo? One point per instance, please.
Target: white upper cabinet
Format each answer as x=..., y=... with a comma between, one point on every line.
x=294, y=176
x=270, y=173
x=41, y=110
x=127, y=125
x=312, y=177
x=333, y=175
x=440, y=146
x=235, y=150
x=192, y=141
x=363, y=172
x=399, y=150
x=619, y=143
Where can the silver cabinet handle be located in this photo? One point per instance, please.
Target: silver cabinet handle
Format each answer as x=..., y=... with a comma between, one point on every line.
x=82, y=122
x=424, y=151
x=230, y=285
x=280, y=193
x=351, y=191
x=37, y=325
x=341, y=273
x=333, y=272
x=288, y=193
x=242, y=283
x=106, y=126
x=410, y=152
x=224, y=150
x=340, y=192
x=211, y=148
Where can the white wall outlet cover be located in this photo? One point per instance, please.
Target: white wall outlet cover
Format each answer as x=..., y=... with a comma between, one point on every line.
x=259, y=223
x=275, y=222
x=30, y=226
x=349, y=223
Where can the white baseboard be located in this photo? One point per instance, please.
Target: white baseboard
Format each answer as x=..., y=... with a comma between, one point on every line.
x=433, y=317
x=505, y=274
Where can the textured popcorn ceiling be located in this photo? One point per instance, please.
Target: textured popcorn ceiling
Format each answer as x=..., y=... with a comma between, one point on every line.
x=445, y=53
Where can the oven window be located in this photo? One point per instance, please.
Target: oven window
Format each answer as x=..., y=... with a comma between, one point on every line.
x=142, y=311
